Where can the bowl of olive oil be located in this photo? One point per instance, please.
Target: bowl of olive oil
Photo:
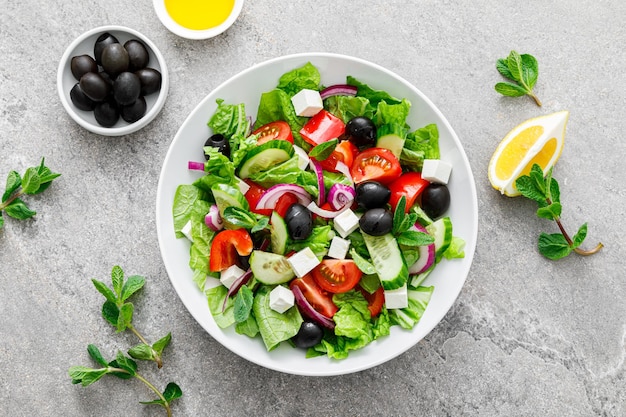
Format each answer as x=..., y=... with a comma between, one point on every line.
x=198, y=19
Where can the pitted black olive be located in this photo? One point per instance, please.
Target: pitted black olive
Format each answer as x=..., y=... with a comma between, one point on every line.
x=299, y=221
x=376, y=222
x=372, y=194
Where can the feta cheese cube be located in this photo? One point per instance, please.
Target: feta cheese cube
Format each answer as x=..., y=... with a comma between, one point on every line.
x=307, y=102
x=186, y=230
x=436, y=170
x=303, y=157
x=230, y=275
x=338, y=248
x=281, y=299
x=303, y=262
x=346, y=223
x=243, y=186
x=211, y=283
x=398, y=298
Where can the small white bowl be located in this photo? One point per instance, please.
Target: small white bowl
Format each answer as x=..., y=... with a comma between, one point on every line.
x=84, y=44
x=177, y=29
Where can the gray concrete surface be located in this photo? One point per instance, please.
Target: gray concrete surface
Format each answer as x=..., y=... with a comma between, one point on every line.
x=526, y=337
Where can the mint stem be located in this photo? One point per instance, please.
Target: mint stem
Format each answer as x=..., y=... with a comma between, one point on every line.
x=157, y=357
x=578, y=250
x=165, y=404
x=535, y=98
x=11, y=199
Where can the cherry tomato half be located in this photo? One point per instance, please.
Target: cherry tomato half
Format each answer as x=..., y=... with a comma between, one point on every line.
x=319, y=299
x=337, y=275
x=345, y=151
x=375, y=164
x=375, y=301
x=409, y=185
x=253, y=195
x=322, y=127
x=275, y=130
x=225, y=247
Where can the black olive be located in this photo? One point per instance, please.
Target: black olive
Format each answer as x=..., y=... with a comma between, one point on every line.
x=435, y=200
x=299, y=221
x=135, y=111
x=372, y=194
x=137, y=55
x=103, y=40
x=309, y=335
x=80, y=100
x=376, y=222
x=220, y=142
x=106, y=113
x=150, y=80
x=361, y=131
x=114, y=59
x=126, y=88
x=243, y=261
x=81, y=65
x=94, y=86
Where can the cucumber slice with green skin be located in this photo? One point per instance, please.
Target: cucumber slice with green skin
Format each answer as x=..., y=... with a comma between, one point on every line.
x=226, y=196
x=270, y=268
x=441, y=230
x=265, y=156
x=387, y=259
x=392, y=137
x=278, y=233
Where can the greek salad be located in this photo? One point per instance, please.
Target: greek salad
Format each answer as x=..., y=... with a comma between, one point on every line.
x=316, y=224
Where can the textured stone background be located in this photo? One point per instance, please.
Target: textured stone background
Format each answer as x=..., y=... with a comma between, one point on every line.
x=526, y=337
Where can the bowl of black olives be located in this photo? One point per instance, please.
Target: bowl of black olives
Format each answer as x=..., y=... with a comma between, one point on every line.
x=112, y=80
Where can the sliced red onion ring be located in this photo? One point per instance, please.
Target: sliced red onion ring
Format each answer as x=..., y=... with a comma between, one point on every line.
x=327, y=214
x=271, y=195
x=341, y=195
x=239, y=282
x=213, y=219
x=426, y=254
x=338, y=90
x=307, y=309
x=321, y=190
x=196, y=166
x=345, y=170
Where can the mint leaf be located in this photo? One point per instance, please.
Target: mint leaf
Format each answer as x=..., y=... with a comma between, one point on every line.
x=142, y=352
x=132, y=285
x=243, y=304
x=578, y=238
x=117, y=278
x=126, y=363
x=414, y=238
x=550, y=212
x=110, y=312
x=104, y=290
x=322, y=151
x=162, y=343
x=31, y=181
x=503, y=68
x=514, y=62
x=510, y=90
x=526, y=186
x=95, y=354
x=14, y=181
x=553, y=246
x=530, y=70
x=125, y=317
x=523, y=70
x=172, y=392
x=19, y=210
x=399, y=216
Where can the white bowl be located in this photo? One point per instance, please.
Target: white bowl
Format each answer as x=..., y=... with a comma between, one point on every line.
x=177, y=29
x=246, y=87
x=84, y=44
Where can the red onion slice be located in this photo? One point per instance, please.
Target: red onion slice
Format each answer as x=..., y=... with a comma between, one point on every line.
x=195, y=166
x=271, y=195
x=307, y=309
x=213, y=219
x=338, y=90
x=426, y=254
x=345, y=170
x=341, y=195
x=327, y=214
x=321, y=190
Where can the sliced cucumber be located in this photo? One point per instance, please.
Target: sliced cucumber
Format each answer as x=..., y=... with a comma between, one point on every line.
x=441, y=230
x=265, y=156
x=387, y=260
x=278, y=234
x=227, y=196
x=270, y=268
x=392, y=137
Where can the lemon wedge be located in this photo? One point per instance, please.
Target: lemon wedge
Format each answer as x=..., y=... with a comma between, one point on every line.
x=535, y=141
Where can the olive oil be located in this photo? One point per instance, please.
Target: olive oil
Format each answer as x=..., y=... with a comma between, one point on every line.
x=199, y=14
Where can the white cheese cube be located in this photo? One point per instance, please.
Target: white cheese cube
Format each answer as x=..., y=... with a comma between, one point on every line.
x=346, y=223
x=303, y=262
x=436, y=170
x=307, y=102
x=243, y=186
x=303, y=157
x=398, y=298
x=281, y=299
x=338, y=248
x=230, y=275
x=186, y=230
x=211, y=283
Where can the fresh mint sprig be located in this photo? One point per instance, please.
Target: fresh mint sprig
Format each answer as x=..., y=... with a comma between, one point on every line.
x=402, y=223
x=545, y=191
x=523, y=70
x=125, y=368
x=119, y=312
x=34, y=181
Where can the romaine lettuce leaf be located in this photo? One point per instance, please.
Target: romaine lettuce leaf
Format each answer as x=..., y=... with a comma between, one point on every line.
x=215, y=298
x=347, y=107
x=188, y=202
x=307, y=76
x=274, y=327
x=408, y=317
x=276, y=105
x=230, y=120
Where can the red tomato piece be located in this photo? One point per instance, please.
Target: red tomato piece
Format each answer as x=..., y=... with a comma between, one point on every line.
x=345, y=152
x=225, y=247
x=253, y=195
x=319, y=299
x=337, y=275
x=322, y=127
x=375, y=164
x=284, y=202
x=275, y=130
x=375, y=301
x=410, y=185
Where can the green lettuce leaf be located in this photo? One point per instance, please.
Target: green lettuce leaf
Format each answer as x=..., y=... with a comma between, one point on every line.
x=408, y=317
x=215, y=298
x=189, y=201
x=274, y=327
x=306, y=76
x=276, y=105
x=348, y=107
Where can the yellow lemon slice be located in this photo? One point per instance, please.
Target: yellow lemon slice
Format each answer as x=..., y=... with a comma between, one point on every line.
x=535, y=141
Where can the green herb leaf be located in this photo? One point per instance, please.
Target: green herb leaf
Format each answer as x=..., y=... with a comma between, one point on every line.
x=104, y=290
x=243, y=304
x=322, y=151
x=553, y=246
x=125, y=317
x=110, y=312
x=95, y=354
x=14, y=181
x=414, y=238
x=550, y=212
x=1, y=220
x=133, y=284
x=503, y=68
x=580, y=236
x=363, y=264
x=172, y=392
x=126, y=363
x=142, y=352
x=526, y=186
x=399, y=215
x=262, y=223
x=19, y=210
x=31, y=181
x=117, y=278
x=162, y=343
x=510, y=89
x=523, y=70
